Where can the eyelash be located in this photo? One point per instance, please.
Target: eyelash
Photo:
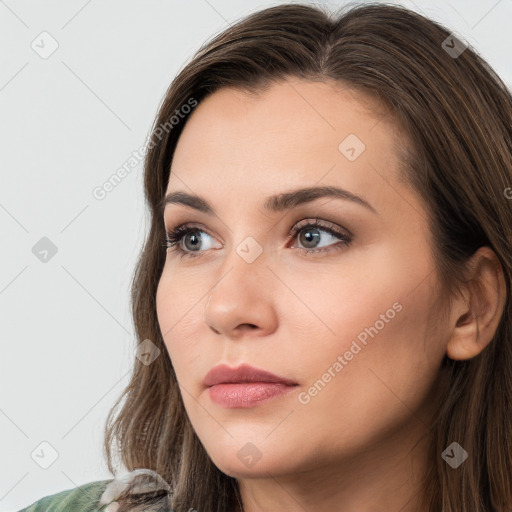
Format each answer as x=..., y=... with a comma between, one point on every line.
x=176, y=235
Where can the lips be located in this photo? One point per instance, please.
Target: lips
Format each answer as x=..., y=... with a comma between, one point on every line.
x=224, y=374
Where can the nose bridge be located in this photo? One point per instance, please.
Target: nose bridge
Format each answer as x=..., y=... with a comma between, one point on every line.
x=245, y=252
x=243, y=269
x=241, y=294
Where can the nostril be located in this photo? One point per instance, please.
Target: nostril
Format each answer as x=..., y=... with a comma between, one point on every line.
x=250, y=326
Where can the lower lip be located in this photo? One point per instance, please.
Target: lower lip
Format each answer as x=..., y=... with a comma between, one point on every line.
x=247, y=394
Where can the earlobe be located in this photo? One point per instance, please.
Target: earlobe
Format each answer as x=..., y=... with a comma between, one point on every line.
x=477, y=315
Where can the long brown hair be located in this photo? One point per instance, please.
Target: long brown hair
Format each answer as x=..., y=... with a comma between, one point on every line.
x=456, y=116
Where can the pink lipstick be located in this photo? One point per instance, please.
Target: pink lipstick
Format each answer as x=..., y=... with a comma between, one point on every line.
x=244, y=386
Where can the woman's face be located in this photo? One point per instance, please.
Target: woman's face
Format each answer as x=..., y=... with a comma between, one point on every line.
x=349, y=322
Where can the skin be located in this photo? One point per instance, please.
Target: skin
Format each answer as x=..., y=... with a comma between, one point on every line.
x=362, y=439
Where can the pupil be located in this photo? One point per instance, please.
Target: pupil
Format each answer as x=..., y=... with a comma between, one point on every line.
x=310, y=237
x=194, y=236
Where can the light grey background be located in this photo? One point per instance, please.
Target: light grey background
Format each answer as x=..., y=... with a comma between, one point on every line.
x=68, y=122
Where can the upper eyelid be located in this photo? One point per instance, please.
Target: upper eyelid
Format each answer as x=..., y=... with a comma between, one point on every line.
x=322, y=224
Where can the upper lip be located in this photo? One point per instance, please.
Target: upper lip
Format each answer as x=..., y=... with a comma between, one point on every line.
x=223, y=373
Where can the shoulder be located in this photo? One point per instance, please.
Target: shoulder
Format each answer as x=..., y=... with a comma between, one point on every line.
x=79, y=499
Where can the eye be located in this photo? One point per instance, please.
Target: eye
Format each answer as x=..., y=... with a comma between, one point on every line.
x=176, y=238
x=314, y=232
x=309, y=234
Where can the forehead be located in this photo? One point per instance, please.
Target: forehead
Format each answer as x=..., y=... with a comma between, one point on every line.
x=295, y=130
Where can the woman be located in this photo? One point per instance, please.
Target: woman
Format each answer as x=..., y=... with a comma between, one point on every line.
x=323, y=301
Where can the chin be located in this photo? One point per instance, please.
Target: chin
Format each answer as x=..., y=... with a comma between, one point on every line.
x=239, y=470
x=245, y=460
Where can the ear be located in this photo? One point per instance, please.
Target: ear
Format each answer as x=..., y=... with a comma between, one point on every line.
x=476, y=316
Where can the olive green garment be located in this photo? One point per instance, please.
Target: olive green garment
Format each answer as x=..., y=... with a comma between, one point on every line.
x=80, y=499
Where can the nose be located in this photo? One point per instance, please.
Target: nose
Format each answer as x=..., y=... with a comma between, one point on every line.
x=241, y=302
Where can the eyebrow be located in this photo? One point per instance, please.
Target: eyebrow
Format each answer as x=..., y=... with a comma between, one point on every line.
x=275, y=203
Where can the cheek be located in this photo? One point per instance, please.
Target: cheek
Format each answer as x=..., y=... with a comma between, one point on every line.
x=367, y=390
x=333, y=305
x=380, y=346
x=179, y=308
x=392, y=356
